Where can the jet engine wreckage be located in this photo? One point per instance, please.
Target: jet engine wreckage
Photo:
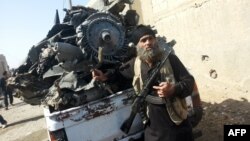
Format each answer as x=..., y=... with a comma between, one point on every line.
x=57, y=71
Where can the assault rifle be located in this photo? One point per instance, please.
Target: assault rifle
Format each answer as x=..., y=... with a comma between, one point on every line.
x=137, y=103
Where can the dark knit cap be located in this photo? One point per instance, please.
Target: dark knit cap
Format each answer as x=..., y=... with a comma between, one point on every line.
x=140, y=31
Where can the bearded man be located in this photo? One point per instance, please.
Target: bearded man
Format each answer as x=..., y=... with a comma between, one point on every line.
x=172, y=82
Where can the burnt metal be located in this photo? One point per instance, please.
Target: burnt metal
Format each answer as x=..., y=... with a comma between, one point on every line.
x=93, y=30
x=70, y=50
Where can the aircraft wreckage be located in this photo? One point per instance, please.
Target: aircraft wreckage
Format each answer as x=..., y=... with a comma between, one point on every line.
x=56, y=72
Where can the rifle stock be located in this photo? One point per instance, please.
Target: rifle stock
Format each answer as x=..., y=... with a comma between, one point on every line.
x=128, y=122
x=126, y=125
x=135, y=108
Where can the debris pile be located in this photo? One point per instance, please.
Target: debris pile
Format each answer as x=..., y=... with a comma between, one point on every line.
x=57, y=71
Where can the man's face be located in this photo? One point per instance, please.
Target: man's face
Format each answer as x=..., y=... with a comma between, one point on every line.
x=147, y=42
x=148, y=49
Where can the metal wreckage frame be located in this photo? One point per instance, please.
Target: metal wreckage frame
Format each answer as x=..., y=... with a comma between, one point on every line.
x=56, y=72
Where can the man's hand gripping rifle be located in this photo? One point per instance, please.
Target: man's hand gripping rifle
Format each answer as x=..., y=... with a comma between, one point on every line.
x=139, y=100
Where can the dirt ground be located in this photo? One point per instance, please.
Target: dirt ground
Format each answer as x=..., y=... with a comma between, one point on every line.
x=25, y=123
x=221, y=106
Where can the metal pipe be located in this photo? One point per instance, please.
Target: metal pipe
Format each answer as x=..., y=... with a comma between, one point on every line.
x=70, y=4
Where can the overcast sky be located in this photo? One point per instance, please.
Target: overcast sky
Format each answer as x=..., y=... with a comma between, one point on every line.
x=24, y=23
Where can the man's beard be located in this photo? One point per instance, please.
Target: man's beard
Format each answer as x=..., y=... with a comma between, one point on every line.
x=153, y=55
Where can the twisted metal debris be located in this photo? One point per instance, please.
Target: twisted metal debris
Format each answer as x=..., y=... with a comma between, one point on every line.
x=56, y=72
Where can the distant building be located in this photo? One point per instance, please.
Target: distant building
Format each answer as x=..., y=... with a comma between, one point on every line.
x=3, y=65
